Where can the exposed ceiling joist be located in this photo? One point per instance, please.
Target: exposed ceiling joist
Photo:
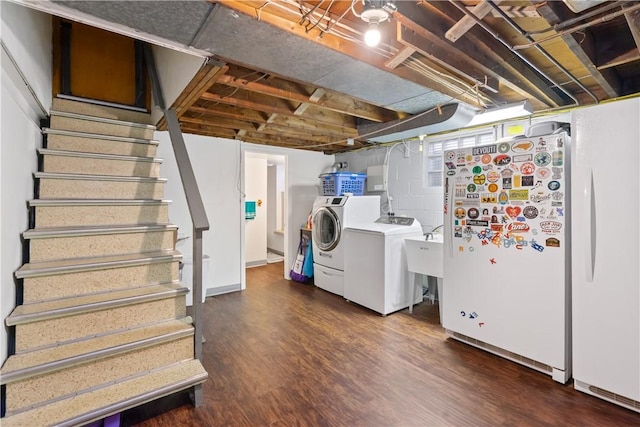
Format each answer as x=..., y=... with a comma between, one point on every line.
x=584, y=48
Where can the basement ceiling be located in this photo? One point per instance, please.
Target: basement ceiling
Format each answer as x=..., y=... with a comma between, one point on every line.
x=297, y=74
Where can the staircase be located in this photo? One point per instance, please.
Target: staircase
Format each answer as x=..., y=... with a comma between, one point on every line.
x=101, y=326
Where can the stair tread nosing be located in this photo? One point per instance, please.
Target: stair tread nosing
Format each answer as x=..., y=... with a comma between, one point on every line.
x=89, y=230
x=38, y=311
x=96, y=202
x=43, y=268
x=102, y=156
x=101, y=120
x=56, y=175
x=128, y=139
x=97, y=404
x=27, y=364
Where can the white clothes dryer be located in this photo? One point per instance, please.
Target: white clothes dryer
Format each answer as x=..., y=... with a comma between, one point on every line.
x=330, y=215
x=376, y=274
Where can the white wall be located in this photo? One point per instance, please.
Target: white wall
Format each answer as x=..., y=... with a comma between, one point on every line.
x=275, y=188
x=220, y=174
x=255, y=188
x=27, y=36
x=406, y=183
x=176, y=69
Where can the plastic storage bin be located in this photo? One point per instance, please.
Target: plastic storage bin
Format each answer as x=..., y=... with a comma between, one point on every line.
x=338, y=183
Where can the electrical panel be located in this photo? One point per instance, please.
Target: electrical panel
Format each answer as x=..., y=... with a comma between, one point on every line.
x=376, y=178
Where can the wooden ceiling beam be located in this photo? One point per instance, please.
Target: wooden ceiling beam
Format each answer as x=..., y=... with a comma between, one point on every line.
x=229, y=112
x=208, y=130
x=292, y=91
x=465, y=23
x=583, y=48
x=400, y=57
x=633, y=20
x=265, y=106
x=219, y=122
x=431, y=20
x=202, y=81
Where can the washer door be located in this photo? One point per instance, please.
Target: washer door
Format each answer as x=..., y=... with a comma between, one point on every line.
x=326, y=229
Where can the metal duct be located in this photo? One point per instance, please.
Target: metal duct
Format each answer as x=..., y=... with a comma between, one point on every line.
x=447, y=117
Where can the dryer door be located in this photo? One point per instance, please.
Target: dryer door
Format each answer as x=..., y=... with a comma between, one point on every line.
x=326, y=229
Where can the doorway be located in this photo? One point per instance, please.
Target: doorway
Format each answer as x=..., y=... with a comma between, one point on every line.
x=265, y=208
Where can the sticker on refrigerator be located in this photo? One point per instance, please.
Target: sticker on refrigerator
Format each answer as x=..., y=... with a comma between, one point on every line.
x=519, y=195
x=479, y=179
x=553, y=185
x=501, y=160
x=527, y=181
x=557, y=173
x=504, y=147
x=487, y=149
x=527, y=168
x=491, y=198
x=550, y=226
x=460, y=213
x=557, y=158
x=522, y=158
x=535, y=245
x=522, y=146
x=513, y=211
x=552, y=242
x=539, y=197
x=543, y=158
x=493, y=176
x=543, y=173
x=530, y=212
x=517, y=227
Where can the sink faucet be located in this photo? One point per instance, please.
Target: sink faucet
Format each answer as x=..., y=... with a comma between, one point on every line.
x=429, y=235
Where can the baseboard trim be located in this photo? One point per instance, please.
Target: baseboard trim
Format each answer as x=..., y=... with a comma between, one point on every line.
x=222, y=290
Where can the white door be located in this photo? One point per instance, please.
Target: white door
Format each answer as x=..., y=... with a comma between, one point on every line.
x=606, y=267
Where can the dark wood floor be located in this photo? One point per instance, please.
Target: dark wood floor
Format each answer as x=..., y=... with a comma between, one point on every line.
x=282, y=353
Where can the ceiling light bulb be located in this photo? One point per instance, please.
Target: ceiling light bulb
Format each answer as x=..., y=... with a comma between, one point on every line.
x=372, y=36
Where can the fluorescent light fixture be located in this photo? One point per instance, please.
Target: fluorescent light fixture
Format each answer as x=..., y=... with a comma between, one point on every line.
x=509, y=111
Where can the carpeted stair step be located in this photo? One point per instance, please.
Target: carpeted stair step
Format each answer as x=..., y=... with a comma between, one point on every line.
x=112, y=399
x=37, y=377
x=57, y=161
x=88, y=212
x=80, y=242
x=53, y=322
x=74, y=186
x=63, y=103
x=104, y=126
x=49, y=280
x=57, y=139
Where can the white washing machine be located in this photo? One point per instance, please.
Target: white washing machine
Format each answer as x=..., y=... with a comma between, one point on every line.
x=375, y=272
x=330, y=215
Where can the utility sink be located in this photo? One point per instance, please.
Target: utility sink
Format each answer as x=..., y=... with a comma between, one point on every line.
x=425, y=256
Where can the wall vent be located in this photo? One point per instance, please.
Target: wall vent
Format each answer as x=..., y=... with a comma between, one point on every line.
x=502, y=352
x=613, y=397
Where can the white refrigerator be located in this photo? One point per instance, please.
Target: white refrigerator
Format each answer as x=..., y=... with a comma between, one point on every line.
x=507, y=250
x=606, y=254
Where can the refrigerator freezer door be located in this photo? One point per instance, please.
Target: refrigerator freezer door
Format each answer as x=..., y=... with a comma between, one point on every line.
x=506, y=267
x=606, y=254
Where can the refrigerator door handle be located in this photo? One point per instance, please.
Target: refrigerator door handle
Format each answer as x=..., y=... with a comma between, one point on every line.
x=590, y=246
x=448, y=218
